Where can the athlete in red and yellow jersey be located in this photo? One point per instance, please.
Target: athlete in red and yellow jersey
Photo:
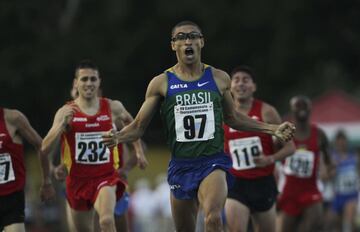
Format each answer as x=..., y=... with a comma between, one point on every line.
x=93, y=180
x=301, y=200
x=14, y=127
x=82, y=150
x=253, y=154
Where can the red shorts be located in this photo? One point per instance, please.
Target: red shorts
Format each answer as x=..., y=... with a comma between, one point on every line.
x=294, y=204
x=81, y=193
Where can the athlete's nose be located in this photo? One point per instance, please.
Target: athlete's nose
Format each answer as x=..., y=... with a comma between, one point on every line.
x=88, y=82
x=188, y=41
x=240, y=83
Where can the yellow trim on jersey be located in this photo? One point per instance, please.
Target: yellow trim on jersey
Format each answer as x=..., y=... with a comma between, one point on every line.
x=116, y=157
x=171, y=68
x=67, y=155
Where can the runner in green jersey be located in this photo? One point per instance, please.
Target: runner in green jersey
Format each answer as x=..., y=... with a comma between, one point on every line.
x=196, y=100
x=192, y=115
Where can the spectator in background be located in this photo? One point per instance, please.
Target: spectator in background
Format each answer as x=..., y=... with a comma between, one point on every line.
x=143, y=206
x=163, y=206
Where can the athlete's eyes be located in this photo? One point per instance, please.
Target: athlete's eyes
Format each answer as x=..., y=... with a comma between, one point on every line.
x=246, y=80
x=86, y=78
x=183, y=36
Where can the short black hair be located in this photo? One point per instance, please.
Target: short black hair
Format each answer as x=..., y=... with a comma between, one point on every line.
x=340, y=134
x=86, y=64
x=302, y=98
x=244, y=68
x=185, y=23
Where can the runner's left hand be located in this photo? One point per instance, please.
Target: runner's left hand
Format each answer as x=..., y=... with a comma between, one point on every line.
x=141, y=160
x=110, y=139
x=285, y=131
x=47, y=192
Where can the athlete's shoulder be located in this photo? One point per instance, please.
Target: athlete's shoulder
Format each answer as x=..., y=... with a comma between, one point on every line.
x=162, y=77
x=269, y=112
x=157, y=86
x=116, y=106
x=221, y=74
x=13, y=116
x=222, y=79
x=267, y=107
x=320, y=132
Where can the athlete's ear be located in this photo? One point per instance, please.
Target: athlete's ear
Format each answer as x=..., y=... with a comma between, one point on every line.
x=255, y=87
x=202, y=42
x=173, y=46
x=75, y=83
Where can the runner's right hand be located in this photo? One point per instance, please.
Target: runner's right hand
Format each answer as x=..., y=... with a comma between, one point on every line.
x=66, y=114
x=60, y=172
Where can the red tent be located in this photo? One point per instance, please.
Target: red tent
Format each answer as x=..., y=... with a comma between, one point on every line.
x=337, y=110
x=335, y=107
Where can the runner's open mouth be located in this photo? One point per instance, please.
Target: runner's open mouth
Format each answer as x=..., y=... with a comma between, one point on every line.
x=189, y=51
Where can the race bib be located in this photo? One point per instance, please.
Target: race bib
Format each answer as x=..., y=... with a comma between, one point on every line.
x=347, y=182
x=194, y=122
x=6, y=169
x=90, y=148
x=243, y=152
x=300, y=164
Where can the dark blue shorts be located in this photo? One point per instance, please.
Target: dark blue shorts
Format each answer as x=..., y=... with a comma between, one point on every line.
x=340, y=201
x=122, y=204
x=185, y=175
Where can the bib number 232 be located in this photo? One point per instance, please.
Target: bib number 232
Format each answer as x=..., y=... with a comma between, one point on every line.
x=90, y=149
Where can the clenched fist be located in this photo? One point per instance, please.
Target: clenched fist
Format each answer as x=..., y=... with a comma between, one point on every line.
x=285, y=131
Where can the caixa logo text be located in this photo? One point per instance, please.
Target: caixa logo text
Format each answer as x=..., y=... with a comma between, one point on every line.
x=175, y=186
x=178, y=86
